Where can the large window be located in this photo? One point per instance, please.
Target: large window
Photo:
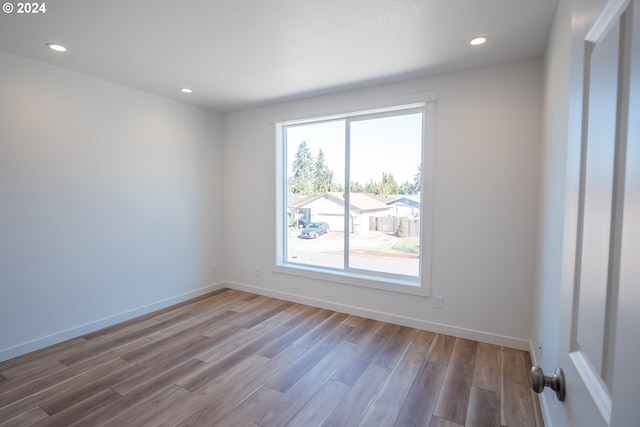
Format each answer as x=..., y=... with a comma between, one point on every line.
x=352, y=197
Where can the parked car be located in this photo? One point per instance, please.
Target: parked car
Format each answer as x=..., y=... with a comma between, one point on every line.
x=314, y=230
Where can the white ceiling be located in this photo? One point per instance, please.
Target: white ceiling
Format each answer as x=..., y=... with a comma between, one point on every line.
x=241, y=53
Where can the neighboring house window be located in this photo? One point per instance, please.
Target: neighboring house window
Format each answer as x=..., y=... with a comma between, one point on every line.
x=353, y=206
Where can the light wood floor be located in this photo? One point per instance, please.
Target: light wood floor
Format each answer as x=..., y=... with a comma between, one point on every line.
x=238, y=359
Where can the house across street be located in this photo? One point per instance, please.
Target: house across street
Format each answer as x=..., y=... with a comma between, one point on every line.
x=329, y=208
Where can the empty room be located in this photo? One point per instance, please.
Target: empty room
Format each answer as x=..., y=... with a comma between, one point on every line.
x=320, y=213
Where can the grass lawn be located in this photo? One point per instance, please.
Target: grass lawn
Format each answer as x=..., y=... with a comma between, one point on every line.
x=409, y=244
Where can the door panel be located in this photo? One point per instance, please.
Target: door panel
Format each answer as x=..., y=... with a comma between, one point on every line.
x=595, y=204
x=601, y=75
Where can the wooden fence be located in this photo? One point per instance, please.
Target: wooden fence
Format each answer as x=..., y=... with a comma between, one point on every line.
x=392, y=224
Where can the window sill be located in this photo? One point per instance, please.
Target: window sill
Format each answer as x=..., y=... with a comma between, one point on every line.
x=410, y=287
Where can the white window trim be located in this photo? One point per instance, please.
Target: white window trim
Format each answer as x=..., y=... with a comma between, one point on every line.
x=367, y=279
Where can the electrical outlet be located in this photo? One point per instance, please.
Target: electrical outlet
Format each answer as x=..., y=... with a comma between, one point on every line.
x=213, y=270
x=438, y=302
x=258, y=271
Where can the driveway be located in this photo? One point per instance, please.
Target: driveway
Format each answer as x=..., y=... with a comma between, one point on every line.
x=370, y=251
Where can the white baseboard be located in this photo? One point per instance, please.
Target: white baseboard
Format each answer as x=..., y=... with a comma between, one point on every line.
x=55, y=338
x=471, y=334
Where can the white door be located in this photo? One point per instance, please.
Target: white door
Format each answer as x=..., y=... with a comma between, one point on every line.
x=600, y=327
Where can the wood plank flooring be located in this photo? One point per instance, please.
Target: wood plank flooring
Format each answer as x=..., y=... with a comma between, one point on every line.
x=238, y=359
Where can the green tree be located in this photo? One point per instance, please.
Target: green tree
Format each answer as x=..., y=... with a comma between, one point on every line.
x=356, y=187
x=405, y=188
x=372, y=187
x=301, y=181
x=417, y=181
x=322, y=175
x=403, y=228
x=388, y=185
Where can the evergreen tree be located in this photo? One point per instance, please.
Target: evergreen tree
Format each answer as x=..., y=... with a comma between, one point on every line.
x=372, y=187
x=405, y=188
x=322, y=175
x=403, y=228
x=301, y=181
x=417, y=181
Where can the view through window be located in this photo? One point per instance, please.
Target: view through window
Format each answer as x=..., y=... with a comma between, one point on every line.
x=373, y=224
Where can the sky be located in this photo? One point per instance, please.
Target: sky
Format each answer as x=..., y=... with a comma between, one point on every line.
x=391, y=144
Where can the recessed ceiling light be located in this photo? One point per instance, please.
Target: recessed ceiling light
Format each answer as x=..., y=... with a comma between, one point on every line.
x=186, y=90
x=477, y=41
x=57, y=47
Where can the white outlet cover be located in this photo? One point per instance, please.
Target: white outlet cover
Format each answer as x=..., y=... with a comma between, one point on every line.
x=438, y=302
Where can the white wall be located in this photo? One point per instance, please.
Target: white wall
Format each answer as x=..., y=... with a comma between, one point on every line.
x=552, y=195
x=110, y=203
x=488, y=132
